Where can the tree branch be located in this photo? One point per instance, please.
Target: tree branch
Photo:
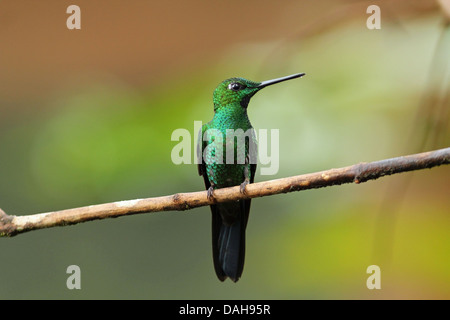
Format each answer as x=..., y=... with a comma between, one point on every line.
x=12, y=225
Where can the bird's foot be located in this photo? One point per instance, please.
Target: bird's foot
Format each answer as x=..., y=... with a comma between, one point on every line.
x=243, y=185
x=210, y=193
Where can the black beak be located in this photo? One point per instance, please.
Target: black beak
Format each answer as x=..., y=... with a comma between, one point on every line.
x=270, y=82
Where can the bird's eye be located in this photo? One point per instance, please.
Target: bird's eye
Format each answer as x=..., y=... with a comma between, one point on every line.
x=235, y=86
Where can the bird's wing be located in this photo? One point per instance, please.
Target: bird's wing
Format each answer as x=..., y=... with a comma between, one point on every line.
x=253, y=156
x=201, y=163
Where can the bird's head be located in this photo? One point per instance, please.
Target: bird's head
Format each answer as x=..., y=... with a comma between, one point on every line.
x=239, y=90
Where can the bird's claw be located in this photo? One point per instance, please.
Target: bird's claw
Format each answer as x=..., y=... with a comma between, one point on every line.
x=210, y=193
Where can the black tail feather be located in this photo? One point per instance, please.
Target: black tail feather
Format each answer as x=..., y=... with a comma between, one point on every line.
x=229, y=241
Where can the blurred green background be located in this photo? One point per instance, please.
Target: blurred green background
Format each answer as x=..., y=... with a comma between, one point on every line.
x=86, y=117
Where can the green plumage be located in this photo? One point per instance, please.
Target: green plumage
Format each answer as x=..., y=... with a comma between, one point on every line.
x=231, y=117
x=228, y=149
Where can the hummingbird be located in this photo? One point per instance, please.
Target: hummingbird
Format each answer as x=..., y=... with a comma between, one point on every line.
x=228, y=146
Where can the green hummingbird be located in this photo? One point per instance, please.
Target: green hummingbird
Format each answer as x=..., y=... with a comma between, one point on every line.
x=227, y=156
